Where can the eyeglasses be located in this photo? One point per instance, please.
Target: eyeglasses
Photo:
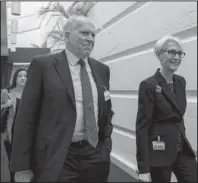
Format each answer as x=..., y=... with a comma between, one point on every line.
x=173, y=53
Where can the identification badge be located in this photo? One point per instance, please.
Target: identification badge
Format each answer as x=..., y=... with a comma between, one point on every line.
x=107, y=95
x=158, y=145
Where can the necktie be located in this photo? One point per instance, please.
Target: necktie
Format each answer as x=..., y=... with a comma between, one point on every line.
x=91, y=129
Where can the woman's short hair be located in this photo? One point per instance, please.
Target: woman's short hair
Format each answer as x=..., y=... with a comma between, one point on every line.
x=14, y=78
x=162, y=43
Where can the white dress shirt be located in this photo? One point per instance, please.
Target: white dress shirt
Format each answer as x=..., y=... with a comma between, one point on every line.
x=79, y=131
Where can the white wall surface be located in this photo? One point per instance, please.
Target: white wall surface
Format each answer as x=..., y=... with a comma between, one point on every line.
x=30, y=30
x=127, y=32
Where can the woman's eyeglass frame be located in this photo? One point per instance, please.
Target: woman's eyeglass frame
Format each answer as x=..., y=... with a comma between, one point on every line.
x=173, y=53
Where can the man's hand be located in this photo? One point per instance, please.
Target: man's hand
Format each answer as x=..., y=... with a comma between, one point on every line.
x=144, y=177
x=24, y=176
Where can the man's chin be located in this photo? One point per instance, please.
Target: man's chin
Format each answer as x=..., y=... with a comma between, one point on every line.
x=87, y=53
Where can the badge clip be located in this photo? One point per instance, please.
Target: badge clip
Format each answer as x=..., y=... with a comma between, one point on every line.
x=158, y=145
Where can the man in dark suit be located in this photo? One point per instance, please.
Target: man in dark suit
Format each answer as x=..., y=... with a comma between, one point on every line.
x=63, y=127
x=162, y=145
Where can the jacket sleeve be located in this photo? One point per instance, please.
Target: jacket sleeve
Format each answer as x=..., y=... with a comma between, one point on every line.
x=143, y=122
x=110, y=114
x=27, y=119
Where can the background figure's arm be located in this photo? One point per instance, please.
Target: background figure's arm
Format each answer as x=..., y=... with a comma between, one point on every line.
x=4, y=96
x=27, y=119
x=143, y=122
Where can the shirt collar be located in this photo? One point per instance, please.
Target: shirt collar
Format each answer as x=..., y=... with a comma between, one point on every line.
x=73, y=59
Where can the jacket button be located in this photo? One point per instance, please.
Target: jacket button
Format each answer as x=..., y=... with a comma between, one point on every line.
x=177, y=124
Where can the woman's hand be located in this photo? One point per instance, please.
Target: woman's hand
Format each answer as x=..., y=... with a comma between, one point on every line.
x=6, y=105
x=9, y=103
x=23, y=176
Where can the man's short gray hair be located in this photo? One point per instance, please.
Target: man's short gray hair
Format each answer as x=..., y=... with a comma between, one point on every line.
x=162, y=42
x=72, y=22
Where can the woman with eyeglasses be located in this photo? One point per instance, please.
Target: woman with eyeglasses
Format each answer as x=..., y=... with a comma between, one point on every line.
x=162, y=145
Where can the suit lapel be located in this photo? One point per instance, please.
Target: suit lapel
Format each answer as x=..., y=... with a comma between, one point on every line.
x=180, y=95
x=166, y=90
x=96, y=76
x=62, y=66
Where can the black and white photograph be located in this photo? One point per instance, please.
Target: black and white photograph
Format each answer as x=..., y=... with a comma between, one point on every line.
x=99, y=91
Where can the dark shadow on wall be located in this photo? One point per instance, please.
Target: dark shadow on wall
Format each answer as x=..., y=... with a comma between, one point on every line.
x=25, y=55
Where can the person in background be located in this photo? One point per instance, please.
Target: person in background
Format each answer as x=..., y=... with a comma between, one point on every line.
x=4, y=98
x=5, y=104
x=162, y=145
x=11, y=99
x=63, y=127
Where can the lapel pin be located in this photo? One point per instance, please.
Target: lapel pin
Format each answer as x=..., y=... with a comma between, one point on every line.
x=158, y=88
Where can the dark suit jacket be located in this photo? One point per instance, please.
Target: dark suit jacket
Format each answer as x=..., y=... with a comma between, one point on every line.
x=47, y=115
x=159, y=113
